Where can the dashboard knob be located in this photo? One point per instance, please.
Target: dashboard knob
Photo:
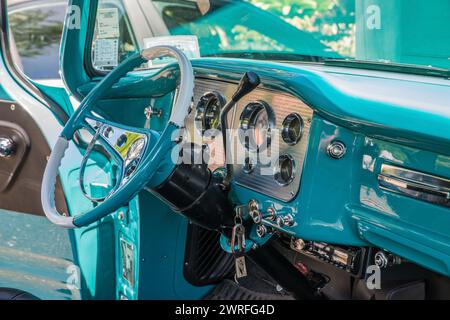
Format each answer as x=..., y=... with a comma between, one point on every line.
x=271, y=214
x=261, y=231
x=384, y=260
x=336, y=150
x=7, y=147
x=253, y=205
x=256, y=216
x=285, y=221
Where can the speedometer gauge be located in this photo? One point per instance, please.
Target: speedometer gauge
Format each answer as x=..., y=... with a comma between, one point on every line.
x=208, y=111
x=256, y=123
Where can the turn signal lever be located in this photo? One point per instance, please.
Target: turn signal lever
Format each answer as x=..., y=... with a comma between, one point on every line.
x=248, y=83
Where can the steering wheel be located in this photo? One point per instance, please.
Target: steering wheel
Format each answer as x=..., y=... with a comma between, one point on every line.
x=139, y=152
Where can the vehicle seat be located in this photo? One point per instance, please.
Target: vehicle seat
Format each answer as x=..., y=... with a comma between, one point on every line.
x=15, y=294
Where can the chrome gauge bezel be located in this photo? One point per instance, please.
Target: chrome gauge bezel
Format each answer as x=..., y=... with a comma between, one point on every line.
x=202, y=109
x=277, y=170
x=287, y=126
x=247, y=121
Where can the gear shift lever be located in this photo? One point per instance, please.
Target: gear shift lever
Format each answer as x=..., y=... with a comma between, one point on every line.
x=248, y=83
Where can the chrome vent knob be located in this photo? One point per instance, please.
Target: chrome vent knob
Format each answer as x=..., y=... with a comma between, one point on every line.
x=336, y=150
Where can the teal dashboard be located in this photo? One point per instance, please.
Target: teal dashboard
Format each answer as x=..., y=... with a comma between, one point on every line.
x=364, y=155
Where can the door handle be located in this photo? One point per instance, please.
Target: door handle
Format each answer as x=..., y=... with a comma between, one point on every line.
x=7, y=147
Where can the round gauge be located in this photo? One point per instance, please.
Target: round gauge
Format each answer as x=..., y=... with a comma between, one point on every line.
x=256, y=123
x=285, y=170
x=135, y=150
x=208, y=111
x=292, y=129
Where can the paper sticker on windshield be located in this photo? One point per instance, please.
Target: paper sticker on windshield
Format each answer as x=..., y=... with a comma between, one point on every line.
x=108, y=23
x=106, y=53
x=187, y=44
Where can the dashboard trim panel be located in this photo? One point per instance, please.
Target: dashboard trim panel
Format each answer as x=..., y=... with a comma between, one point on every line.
x=282, y=104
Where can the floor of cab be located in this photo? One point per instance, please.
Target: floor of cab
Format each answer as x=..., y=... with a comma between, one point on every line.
x=257, y=285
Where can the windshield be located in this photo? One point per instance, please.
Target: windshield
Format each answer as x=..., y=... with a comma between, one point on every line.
x=413, y=32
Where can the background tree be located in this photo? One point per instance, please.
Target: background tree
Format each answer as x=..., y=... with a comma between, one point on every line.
x=34, y=30
x=331, y=21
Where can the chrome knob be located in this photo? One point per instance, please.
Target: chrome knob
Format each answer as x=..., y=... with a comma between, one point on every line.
x=256, y=216
x=285, y=221
x=253, y=205
x=381, y=260
x=7, y=147
x=271, y=214
x=384, y=260
x=261, y=231
x=336, y=150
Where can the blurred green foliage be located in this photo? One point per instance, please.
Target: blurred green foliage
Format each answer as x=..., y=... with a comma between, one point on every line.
x=331, y=21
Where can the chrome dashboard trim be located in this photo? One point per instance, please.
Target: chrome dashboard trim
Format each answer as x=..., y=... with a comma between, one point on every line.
x=283, y=104
x=415, y=184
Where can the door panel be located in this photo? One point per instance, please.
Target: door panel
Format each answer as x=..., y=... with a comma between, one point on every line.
x=21, y=173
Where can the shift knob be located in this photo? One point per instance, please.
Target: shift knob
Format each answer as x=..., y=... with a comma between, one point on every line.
x=248, y=83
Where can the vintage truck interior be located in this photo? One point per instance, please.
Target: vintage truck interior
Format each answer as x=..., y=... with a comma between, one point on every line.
x=201, y=166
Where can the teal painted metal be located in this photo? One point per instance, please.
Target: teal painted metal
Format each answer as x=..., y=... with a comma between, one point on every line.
x=73, y=46
x=57, y=94
x=4, y=95
x=161, y=253
x=93, y=246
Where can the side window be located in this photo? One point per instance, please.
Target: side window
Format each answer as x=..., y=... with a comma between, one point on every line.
x=112, y=41
x=36, y=29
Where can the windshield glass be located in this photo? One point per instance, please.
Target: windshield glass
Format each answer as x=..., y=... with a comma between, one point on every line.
x=413, y=32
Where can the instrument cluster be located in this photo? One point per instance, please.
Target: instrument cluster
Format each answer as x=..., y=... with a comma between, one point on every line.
x=272, y=127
